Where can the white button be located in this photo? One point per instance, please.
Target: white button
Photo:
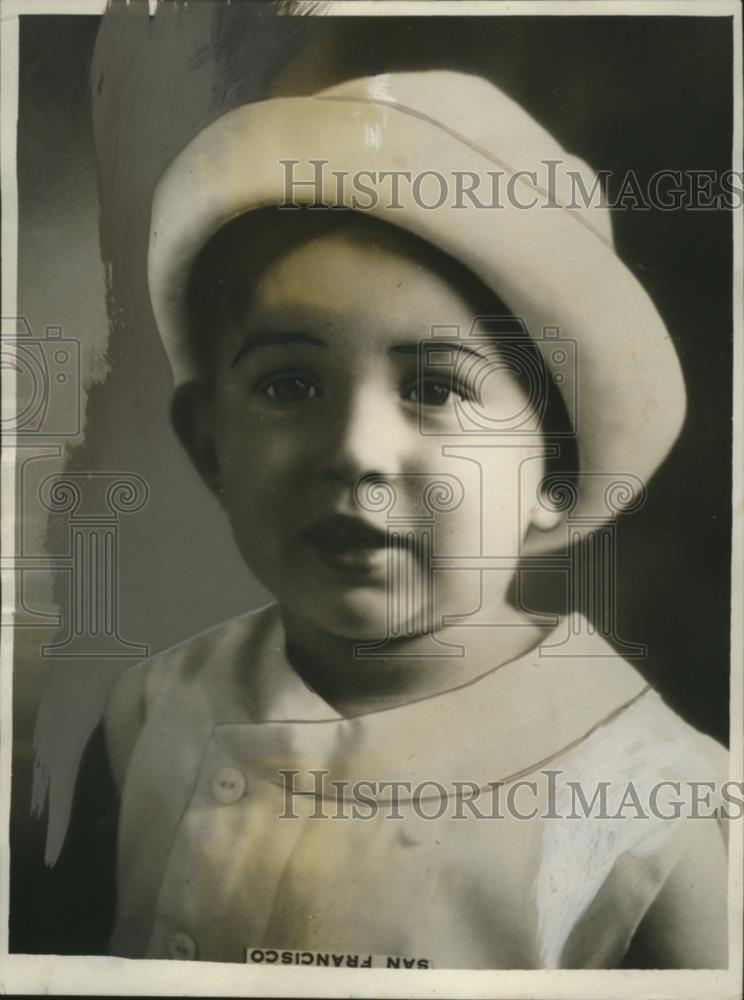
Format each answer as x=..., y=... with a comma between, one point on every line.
x=228, y=785
x=181, y=946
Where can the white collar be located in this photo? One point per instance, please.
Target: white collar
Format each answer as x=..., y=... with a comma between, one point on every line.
x=506, y=723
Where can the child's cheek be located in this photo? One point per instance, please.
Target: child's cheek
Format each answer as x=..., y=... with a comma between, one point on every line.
x=258, y=445
x=264, y=477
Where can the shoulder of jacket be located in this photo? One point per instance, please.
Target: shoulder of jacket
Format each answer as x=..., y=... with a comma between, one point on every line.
x=135, y=689
x=187, y=660
x=647, y=740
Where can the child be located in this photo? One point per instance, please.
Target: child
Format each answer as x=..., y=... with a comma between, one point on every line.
x=315, y=782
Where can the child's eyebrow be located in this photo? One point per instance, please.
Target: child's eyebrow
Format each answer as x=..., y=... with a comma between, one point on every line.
x=272, y=339
x=434, y=345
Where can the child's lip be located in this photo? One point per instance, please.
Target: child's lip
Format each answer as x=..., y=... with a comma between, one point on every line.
x=343, y=533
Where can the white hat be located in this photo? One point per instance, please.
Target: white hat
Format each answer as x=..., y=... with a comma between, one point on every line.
x=553, y=265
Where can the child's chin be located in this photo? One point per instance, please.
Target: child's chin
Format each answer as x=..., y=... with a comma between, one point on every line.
x=363, y=618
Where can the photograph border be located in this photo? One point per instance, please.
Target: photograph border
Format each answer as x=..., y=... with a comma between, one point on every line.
x=60, y=975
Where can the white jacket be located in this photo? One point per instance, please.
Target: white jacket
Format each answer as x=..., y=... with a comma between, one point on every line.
x=207, y=869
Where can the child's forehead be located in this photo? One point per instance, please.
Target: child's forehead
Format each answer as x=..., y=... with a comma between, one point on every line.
x=351, y=260
x=342, y=249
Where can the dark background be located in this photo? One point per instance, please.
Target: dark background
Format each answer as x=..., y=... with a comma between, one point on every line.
x=623, y=93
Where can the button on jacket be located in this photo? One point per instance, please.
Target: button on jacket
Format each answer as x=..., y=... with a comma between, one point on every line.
x=238, y=830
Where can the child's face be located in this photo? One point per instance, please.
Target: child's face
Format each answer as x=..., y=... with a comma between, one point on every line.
x=320, y=387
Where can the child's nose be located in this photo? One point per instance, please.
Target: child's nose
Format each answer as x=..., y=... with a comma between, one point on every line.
x=366, y=438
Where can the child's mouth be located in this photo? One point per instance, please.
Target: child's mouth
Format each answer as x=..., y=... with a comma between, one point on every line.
x=348, y=544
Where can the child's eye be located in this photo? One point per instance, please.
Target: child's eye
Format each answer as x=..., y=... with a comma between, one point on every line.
x=433, y=391
x=288, y=387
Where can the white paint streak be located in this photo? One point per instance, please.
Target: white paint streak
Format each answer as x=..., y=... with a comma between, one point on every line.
x=372, y=136
x=379, y=88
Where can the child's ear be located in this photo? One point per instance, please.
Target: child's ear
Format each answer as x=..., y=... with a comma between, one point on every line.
x=191, y=417
x=543, y=518
x=543, y=514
